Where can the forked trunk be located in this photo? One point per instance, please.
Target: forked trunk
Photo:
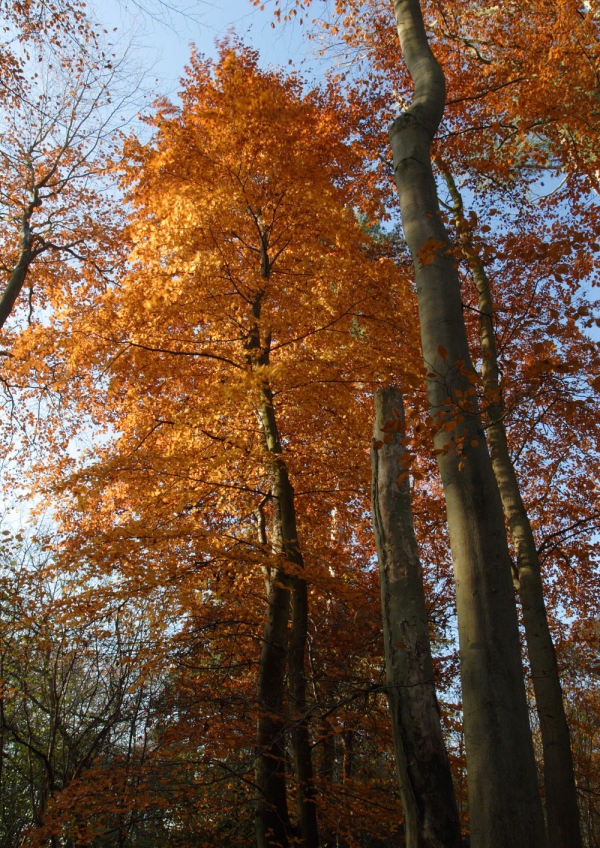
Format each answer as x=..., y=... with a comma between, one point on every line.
x=504, y=803
x=306, y=799
x=428, y=801
x=562, y=812
x=272, y=819
x=285, y=522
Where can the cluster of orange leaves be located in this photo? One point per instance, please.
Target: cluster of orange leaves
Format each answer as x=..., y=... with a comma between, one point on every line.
x=150, y=365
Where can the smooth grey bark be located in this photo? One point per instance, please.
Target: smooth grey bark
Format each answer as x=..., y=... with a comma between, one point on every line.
x=562, y=811
x=504, y=802
x=426, y=789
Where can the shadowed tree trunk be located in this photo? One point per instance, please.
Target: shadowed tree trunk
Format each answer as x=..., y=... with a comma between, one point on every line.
x=272, y=820
x=504, y=803
x=430, y=810
x=562, y=810
x=306, y=801
x=28, y=251
x=273, y=826
x=285, y=528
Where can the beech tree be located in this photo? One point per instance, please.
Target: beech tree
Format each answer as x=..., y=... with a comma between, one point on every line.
x=428, y=802
x=254, y=271
x=474, y=51
x=29, y=26
x=497, y=734
x=70, y=693
x=54, y=208
x=559, y=779
x=225, y=373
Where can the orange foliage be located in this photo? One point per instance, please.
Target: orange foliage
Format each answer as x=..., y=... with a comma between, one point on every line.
x=163, y=513
x=146, y=359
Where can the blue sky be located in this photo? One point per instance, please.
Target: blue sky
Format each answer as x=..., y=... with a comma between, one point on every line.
x=162, y=37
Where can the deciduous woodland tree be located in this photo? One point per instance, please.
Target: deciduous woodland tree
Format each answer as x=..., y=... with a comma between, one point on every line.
x=70, y=692
x=55, y=210
x=224, y=374
x=59, y=92
x=559, y=778
x=474, y=45
x=497, y=735
x=265, y=321
x=29, y=25
x=428, y=802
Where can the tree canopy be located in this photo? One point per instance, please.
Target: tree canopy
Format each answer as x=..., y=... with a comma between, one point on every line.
x=201, y=320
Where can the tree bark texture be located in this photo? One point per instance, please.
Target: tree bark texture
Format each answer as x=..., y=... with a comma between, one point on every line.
x=306, y=798
x=504, y=803
x=15, y=284
x=562, y=811
x=27, y=253
x=285, y=517
x=427, y=792
x=272, y=819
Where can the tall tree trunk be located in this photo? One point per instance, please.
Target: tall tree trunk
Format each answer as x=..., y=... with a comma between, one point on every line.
x=285, y=514
x=562, y=810
x=272, y=820
x=284, y=529
x=428, y=801
x=13, y=289
x=348, y=756
x=306, y=801
x=504, y=802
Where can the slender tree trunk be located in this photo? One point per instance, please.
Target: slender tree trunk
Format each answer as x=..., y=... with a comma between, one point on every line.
x=27, y=254
x=504, y=802
x=559, y=779
x=13, y=289
x=2, y=736
x=306, y=801
x=284, y=527
x=430, y=810
x=327, y=759
x=285, y=514
x=348, y=757
x=272, y=819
